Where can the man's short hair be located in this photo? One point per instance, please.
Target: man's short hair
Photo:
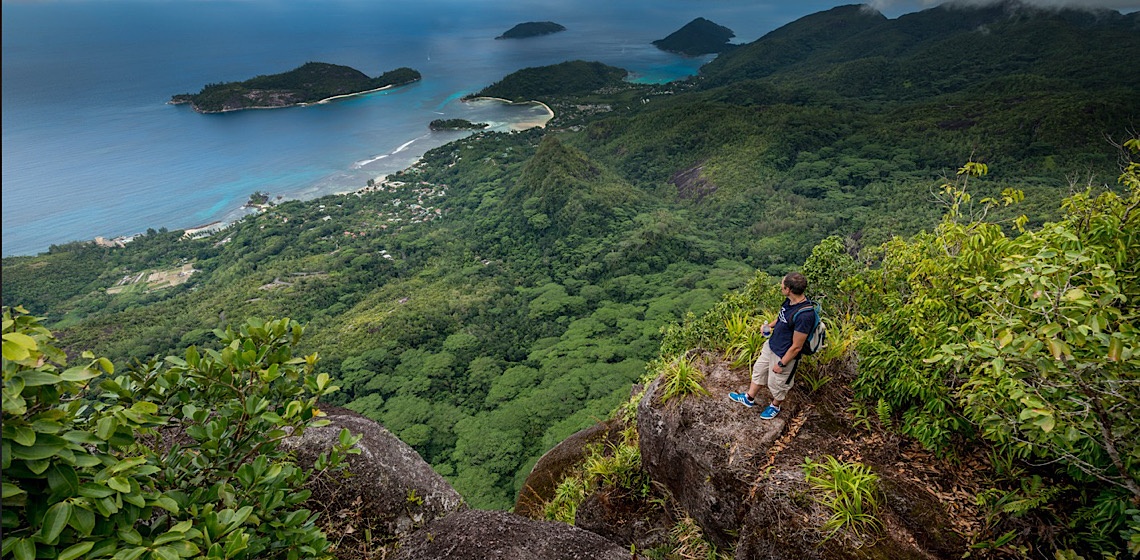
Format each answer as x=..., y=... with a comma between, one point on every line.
x=795, y=282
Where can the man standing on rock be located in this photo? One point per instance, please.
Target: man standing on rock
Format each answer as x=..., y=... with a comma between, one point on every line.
x=777, y=362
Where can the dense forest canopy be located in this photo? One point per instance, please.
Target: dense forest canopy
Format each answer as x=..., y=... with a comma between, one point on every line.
x=507, y=290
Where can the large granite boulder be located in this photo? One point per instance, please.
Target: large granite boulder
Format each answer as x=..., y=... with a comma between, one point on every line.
x=742, y=478
x=499, y=535
x=706, y=449
x=555, y=464
x=390, y=486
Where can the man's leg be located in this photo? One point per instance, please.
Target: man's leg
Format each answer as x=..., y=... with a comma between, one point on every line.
x=759, y=377
x=761, y=370
x=780, y=383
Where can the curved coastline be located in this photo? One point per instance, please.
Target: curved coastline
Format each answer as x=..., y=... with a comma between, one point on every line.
x=236, y=214
x=549, y=111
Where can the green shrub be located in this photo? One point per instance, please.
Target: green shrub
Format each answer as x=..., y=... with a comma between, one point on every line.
x=88, y=471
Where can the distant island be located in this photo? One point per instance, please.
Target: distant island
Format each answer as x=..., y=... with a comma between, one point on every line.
x=696, y=38
x=566, y=78
x=456, y=124
x=531, y=29
x=313, y=82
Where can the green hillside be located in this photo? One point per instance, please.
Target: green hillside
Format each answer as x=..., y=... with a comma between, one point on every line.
x=508, y=290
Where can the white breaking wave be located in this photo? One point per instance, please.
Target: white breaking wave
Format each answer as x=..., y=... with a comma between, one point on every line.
x=405, y=145
x=364, y=162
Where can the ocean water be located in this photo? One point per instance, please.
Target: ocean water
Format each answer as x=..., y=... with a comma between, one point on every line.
x=91, y=148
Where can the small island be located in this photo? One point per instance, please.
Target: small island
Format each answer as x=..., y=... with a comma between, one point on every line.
x=456, y=124
x=313, y=82
x=531, y=29
x=565, y=78
x=696, y=38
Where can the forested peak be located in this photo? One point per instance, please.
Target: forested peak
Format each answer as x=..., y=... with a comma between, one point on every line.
x=793, y=42
x=833, y=24
x=554, y=157
x=859, y=53
x=568, y=187
x=697, y=37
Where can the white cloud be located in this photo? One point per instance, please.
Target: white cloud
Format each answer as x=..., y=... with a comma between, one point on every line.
x=1123, y=5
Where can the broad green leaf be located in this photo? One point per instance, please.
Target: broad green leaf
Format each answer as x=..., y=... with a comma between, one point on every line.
x=45, y=446
x=79, y=436
x=127, y=463
x=165, y=553
x=130, y=535
x=11, y=490
x=62, y=480
x=47, y=426
x=145, y=407
x=1056, y=347
x=55, y=520
x=119, y=484
x=1046, y=423
x=129, y=553
x=76, y=550
x=83, y=520
x=33, y=378
x=185, y=549
x=1115, y=349
x=79, y=374
x=14, y=352
x=105, y=427
x=24, y=549
x=25, y=436
x=1074, y=294
x=22, y=340
x=168, y=504
x=95, y=491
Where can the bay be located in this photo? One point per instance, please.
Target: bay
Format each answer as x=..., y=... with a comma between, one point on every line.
x=91, y=148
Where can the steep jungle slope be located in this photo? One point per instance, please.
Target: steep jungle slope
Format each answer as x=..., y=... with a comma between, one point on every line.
x=496, y=297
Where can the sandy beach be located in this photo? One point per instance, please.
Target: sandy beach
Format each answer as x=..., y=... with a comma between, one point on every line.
x=523, y=125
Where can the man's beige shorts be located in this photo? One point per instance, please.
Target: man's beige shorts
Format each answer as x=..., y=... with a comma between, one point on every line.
x=778, y=383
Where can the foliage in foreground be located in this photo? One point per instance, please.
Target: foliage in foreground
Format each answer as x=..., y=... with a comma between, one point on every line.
x=178, y=458
x=1029, y=343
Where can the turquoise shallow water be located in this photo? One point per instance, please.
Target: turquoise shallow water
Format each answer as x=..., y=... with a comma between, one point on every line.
x=90, y=146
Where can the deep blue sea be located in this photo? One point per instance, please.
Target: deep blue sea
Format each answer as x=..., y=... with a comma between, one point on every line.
x=90, y=147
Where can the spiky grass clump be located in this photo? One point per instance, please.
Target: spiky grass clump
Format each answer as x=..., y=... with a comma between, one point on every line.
x=683, y=378
x=849, y=490
x=564, y=507
x=688, y=542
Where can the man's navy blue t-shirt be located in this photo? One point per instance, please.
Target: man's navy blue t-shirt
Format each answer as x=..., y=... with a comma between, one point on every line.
x=781, y=339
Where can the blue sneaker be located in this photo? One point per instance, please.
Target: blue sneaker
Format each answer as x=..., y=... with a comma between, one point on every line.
x=743, y=399
x=770, y=412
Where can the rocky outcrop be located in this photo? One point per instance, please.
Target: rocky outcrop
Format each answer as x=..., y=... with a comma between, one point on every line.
x=705, y=449
x=555, y=464
x=692, y=184
x=390, y=486
x=742, y=479
x=498, y=535
x=624, y=519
